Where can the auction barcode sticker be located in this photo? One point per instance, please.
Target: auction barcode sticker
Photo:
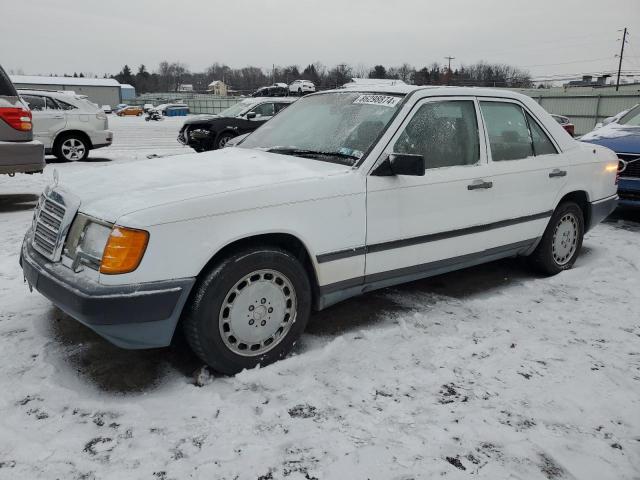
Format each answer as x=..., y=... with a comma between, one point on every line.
x=385, y=100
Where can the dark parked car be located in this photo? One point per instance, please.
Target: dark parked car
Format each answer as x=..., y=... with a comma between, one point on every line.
x=622, y=135
x=275, y=90
x=18, y=151
x=210, y=132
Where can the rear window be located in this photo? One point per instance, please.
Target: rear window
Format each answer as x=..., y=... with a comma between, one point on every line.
x=6, y=87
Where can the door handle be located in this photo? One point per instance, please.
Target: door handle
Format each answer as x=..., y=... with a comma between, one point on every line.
x=478, y=184
x=557, y=173
x=58, y=117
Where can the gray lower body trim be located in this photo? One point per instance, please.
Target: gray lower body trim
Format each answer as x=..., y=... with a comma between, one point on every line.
x=601, y=209
x=130, y=316
x=336, y=292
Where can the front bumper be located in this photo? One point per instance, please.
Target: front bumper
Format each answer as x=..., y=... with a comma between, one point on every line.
x=601, y=209
x=130, y=316
x=196, y=136
x=629, y=191
x=21, y=157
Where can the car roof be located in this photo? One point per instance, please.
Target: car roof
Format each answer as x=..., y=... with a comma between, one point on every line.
x=434, y=90
x=269, y=99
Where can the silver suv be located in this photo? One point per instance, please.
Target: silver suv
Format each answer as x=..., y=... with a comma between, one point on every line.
x=18, y=151
x=67, y=124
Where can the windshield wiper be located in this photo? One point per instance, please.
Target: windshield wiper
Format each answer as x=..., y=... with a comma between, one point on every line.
x=311, y=153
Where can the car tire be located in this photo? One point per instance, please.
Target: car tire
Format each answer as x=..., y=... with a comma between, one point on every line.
x=300, y=92
x=248, y=310
x=223, y=138
x=71, y=148
x=561, y=242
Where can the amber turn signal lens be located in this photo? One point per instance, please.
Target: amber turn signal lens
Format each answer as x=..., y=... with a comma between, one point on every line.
x=124, y=250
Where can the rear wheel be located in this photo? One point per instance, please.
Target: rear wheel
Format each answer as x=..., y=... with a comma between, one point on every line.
x=562, y=240
x=71, y=147
x=249, y=310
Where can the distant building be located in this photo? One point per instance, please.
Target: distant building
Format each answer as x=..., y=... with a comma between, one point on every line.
x=218, y=88
x=185, y=87
x=587, y=81
x=127, y=92
x=102, y=91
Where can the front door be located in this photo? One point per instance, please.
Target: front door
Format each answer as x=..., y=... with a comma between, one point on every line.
x=426, y=223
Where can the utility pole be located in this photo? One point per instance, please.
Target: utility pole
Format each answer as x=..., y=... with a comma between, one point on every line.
x=449, y=68
x=624, y=39
x=449, y=58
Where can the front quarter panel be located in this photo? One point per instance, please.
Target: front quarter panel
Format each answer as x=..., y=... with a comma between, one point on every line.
x=325, y=214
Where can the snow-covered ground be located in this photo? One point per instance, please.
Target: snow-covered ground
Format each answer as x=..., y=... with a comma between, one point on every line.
x=489, y=373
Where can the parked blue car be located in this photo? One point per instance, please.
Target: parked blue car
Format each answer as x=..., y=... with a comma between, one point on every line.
x=622, y=136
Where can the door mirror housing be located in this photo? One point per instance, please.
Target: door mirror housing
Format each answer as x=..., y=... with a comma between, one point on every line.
x=251, y=115
x=401, y=164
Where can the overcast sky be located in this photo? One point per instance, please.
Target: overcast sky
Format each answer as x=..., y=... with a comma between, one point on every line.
x=545, y=37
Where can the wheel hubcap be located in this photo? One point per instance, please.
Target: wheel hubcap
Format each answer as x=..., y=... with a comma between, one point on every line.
x=73, y=149
x=223, y=141
x=565, y=239
x=257, y=313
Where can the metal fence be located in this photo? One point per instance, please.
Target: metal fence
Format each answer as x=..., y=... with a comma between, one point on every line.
x=198, y=103
x=584, y=110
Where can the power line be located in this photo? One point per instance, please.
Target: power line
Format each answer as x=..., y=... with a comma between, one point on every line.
x=567, y=63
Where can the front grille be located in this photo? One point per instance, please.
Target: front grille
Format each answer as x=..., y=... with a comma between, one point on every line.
x=49, y=217
x=632, y=168
x=51, y=221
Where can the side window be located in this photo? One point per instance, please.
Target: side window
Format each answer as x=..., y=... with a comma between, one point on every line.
x=50, y=104
x=444, y=133
x=280, y=106
x=508, y=131
x=264, y=110
x=541, y=143
x=36, y=104
x=65, y=105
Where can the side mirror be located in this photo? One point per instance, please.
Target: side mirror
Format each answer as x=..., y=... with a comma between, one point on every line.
x=401, y=164
x=251, y=115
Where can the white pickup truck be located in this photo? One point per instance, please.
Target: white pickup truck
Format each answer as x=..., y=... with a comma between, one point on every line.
x=344, y=192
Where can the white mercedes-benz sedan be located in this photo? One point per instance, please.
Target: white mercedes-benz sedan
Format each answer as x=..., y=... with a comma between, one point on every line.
x=344, y=192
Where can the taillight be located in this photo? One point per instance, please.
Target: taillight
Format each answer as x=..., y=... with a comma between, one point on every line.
x=16, y=117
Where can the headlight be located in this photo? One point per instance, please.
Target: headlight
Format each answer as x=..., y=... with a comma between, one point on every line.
x=93, y=239
x=86, y=241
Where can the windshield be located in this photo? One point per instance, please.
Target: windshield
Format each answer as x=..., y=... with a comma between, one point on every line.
x=237, y=109
x=631, y=118
x=338, y=127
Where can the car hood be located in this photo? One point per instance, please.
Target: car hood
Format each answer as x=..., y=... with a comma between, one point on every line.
x=619, y=138
x=112, y=191
x=201, y=118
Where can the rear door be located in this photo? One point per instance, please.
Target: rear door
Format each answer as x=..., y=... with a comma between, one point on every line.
x=525, y=165
x=48, y=118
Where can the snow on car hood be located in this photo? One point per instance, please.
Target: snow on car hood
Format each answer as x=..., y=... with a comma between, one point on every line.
x=200, y=118
x=116, y=190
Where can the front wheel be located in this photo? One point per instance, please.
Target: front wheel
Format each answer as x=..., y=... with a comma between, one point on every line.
x=561, y=242
x=249, y=310
x=223, y=139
